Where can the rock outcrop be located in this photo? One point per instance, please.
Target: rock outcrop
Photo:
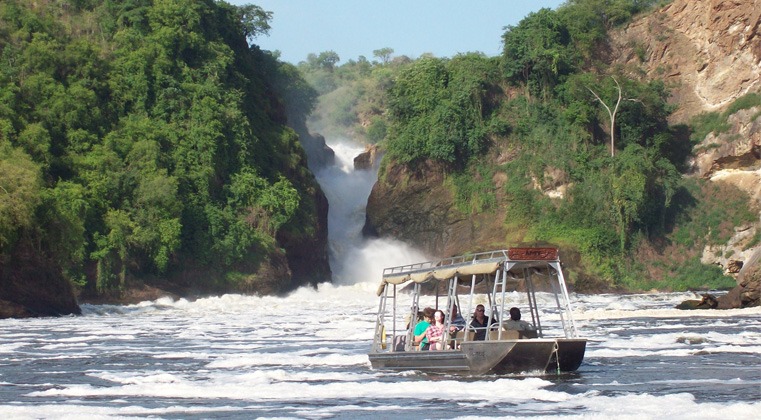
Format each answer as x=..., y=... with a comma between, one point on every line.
x=746, y=294
x=708, y=52
x=367, y=159
x=319, y=154
x=418, y=208
x=708, y=301
x=736, y=151
x=734, y=157
x=32, y=285
x=749, y=282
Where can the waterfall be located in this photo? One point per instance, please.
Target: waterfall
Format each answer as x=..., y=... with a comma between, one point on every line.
x=353, y=258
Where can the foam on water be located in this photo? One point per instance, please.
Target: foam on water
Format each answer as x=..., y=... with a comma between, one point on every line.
x=258, y=387
x=509, y=398
x=236, y=355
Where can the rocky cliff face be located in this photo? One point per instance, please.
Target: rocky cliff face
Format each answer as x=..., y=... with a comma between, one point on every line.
x=368, y=158
x=734, y=157
x=708, y=52
x=418, y=208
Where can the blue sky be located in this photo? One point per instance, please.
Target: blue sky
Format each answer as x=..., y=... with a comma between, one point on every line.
x=410, y=27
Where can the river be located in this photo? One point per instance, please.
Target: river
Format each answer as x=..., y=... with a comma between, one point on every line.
x=305, y=355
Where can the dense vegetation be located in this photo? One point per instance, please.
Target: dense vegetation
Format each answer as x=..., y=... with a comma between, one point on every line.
x=137, y=136
x=564, y=118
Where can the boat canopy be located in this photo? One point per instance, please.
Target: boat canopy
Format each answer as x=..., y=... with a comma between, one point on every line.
x=443, y=273
x=466, y=265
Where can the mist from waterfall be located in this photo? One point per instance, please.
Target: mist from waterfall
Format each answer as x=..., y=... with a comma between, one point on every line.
x=353, y=258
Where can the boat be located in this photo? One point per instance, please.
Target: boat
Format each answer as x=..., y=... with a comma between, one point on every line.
x=493, y=279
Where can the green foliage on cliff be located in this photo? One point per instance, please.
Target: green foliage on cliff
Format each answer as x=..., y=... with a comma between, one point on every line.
x=715, y=122
x=138, y=134
x=439, y=110
x=614, y=203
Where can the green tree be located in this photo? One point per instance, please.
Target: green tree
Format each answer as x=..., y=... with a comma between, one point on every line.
x=254, y=21
x=326, y=60
x=413, y=100
x=628, y=197
x=537, y=52
x=64, y=214
x=383, y=54
x=298, y=96
x=36, y=141
x=20, y=189
x=439, y=110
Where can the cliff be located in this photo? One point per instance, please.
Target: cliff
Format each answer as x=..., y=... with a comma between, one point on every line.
x=707, y=52
x=418, y=208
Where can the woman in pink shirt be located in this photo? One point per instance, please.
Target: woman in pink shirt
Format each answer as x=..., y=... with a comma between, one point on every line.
x=435, y=331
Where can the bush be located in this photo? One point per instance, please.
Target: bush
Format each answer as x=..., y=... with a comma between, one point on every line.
x=438, y=110
x=474, y=193
x=694, y=275
x=714, y=122
x=377, y=130
x=746, y=101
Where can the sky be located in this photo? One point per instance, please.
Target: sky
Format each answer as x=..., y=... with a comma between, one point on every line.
x=354, y=28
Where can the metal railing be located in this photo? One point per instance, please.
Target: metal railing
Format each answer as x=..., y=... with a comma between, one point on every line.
x=462, y=260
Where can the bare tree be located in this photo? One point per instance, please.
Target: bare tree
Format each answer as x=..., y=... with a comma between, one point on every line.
x=612, y=115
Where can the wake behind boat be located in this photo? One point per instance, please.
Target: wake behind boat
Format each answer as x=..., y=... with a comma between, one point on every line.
x=487, y=278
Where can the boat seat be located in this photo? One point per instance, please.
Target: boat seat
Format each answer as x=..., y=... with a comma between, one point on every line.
x=529, y=334
x=456, y=338
x=506, y=335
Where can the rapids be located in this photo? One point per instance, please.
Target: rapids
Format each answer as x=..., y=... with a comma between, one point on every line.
x=304, y=356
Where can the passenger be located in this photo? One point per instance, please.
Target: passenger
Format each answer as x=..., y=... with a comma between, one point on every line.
x=435, y=331
x=419, y=338
x=480, y=323
x=515, y=323
x=457, y=322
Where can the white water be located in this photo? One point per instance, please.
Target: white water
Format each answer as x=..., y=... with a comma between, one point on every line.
x=305, y=355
